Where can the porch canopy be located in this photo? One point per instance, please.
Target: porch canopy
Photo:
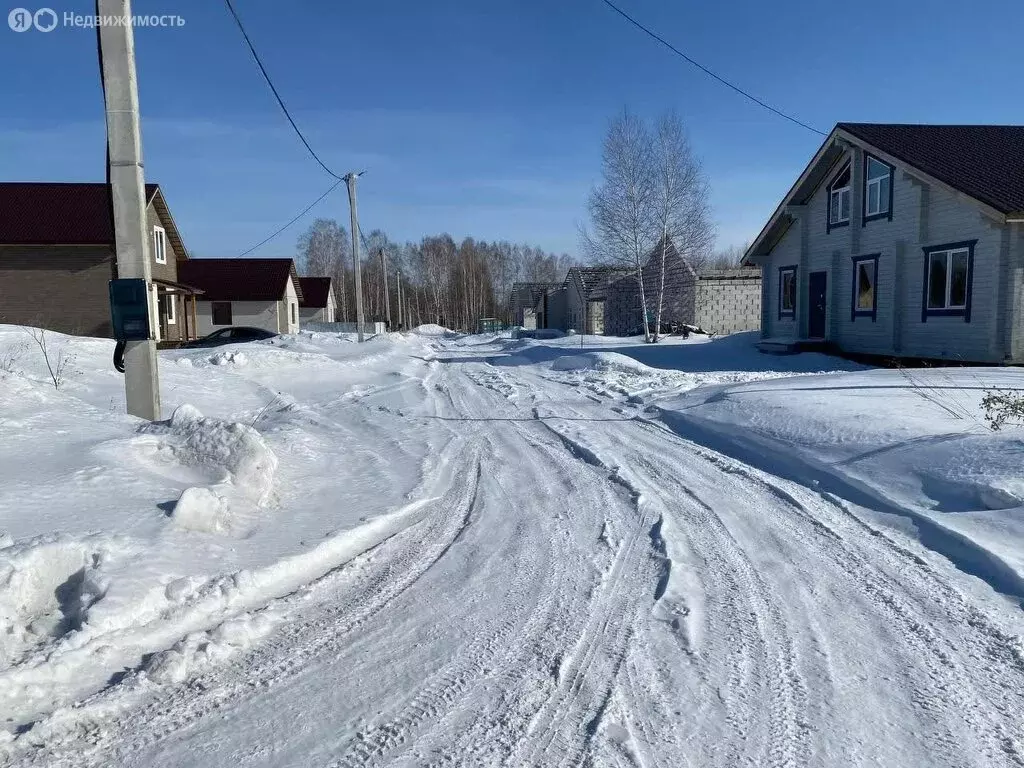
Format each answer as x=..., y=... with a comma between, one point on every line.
x=187, y=291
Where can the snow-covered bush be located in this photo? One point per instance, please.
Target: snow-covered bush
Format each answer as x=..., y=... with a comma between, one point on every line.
x=1003, y=407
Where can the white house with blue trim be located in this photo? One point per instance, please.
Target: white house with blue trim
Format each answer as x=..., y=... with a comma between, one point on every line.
x=902, y=241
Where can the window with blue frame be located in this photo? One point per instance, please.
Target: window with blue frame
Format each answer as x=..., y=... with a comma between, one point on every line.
x=839, y=199
x=787, y=292
x=947, y=280
x=865, y=287
x=877, y=189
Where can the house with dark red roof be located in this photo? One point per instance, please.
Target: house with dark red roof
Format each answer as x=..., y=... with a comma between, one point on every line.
x=57, y=257
x=256, y=293
x=318, y=304
x=901, y=241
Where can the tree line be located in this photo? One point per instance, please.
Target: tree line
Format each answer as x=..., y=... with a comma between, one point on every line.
x=436, y=280
x=653, y=190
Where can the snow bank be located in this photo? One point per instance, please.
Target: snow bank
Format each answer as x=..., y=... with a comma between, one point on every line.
x=601, y=361
x=907, y=443
x=173, y=528
x=431, y=329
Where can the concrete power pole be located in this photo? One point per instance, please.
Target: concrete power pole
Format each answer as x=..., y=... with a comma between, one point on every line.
x=350, y=181
x=127, y=189
x=398, y=288
x=387, y=294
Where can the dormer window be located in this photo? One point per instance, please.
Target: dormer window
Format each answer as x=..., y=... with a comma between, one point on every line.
x=839, y=199
x=877, y=188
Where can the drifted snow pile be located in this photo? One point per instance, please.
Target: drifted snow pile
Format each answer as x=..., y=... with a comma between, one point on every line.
x=431, y=329
x=235, y=452
x=47, y=586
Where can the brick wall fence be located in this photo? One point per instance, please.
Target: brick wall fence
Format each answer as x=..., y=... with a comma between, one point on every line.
x=729, y=300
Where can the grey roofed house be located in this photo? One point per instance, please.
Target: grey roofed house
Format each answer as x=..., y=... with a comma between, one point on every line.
x=524, y=299
x=586, y=291
x=901, y=241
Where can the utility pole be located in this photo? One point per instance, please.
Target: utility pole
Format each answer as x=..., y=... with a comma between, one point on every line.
x=350, y=181
x=127, y=191
x=387, y=294
x=399, y=289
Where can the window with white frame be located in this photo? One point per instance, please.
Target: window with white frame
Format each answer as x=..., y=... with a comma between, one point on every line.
x=159, y=245
x=949, y=273
x=877, y=187
x=839, y=199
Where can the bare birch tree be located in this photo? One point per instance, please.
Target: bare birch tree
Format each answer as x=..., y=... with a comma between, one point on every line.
x=623, y=206
x=681, y=208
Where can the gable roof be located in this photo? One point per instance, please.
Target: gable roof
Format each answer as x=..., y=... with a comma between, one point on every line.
x=985, y=162
x=241, y=279
x=62, y=213
x=528, y=294
x=315, y=292
x=596, y=279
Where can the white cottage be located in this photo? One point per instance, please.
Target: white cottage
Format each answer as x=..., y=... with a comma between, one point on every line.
x=254, y=293
x=901, y=241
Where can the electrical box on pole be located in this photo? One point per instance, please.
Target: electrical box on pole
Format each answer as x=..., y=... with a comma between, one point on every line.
x=129, y=309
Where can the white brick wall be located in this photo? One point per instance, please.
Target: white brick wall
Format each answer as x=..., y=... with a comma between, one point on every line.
x=727, y=303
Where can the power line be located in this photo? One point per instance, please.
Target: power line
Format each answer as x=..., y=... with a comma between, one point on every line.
x=277, y=96
x=305, y=210
x=707, y=71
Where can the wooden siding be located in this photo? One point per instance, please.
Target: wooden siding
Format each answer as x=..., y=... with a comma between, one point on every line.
x=923, y=215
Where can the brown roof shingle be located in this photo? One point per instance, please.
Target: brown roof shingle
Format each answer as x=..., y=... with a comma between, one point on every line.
x=48, y=213
x=983, y=161
x=240, y=279
x=315, y=292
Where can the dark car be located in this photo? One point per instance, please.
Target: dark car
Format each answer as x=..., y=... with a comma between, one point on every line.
x=231, y=336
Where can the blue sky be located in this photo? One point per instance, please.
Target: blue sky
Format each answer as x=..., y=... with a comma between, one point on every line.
x=485, y=118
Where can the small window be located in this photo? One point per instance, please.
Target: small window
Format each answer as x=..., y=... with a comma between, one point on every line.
x=295, y=319
x=947, y=290
x=877, y=188
x=839, y=199
x=167, y=306
x=787, y=292
x=221, y=312
x=159, y=245
x=865, y=287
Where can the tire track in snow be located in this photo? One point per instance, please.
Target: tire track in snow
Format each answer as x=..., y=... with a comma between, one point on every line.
x=568, y=718
x=945, y=694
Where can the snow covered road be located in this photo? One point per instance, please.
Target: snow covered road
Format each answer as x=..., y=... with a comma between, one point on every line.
x=571, y=582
